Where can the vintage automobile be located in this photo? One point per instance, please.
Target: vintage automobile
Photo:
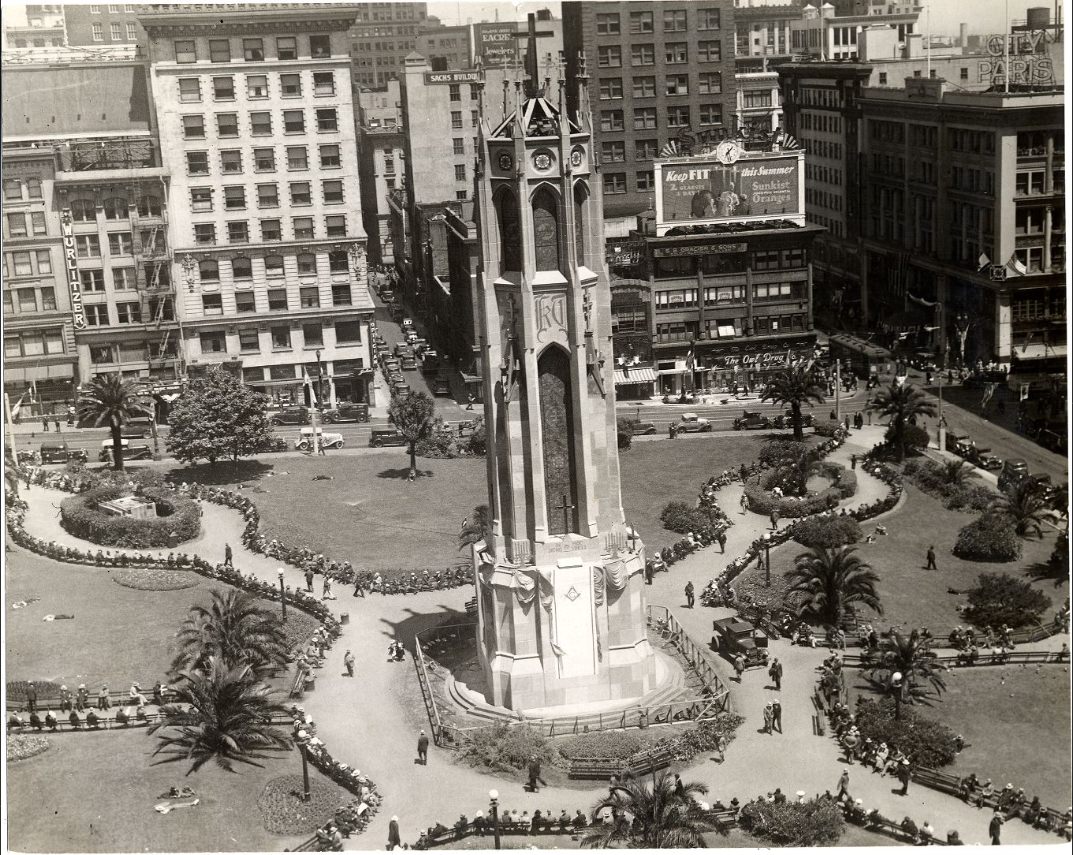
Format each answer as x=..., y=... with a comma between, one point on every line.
x=441, y=386
x=60, y=452
x=290, y=416
x=347, y=413
x=752, y=421
x=409, y=362
x=304, y=442
x=136, y=428
x=786, y=420
x=386, y=436
x=734, y=635
x=639, y=428
x=692, y=423
x=130, y=452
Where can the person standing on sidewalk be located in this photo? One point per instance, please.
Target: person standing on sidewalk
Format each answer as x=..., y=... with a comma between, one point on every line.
x=843, y=785
x=689, y=595
x=775, y=673
x=776, y=715
x=739, y=666
x=228, y=562
x=422, y=749
x=348, y=662
x=931, y=565
x=994, y=829
x=774, y=519
x=722, y=538
x=904, y=775
x=309, y=579
x=744, y=503
x=769, y=717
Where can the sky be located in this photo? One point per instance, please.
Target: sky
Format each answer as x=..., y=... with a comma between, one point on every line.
x=982, y=16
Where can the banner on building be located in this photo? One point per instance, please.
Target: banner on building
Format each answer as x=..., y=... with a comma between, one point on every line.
x=713, y=189
x=497, y=44
x=70, y=258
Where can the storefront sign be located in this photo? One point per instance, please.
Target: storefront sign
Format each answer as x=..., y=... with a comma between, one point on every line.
x=74, y=283
x=687, y=142
x=705, y=190
x=624, y=253
x=497, y=44
x=1024, y=61
x=703, y=249
x=445, y=77
x=767, y=359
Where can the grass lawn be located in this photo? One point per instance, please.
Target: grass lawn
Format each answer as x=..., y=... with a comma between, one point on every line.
x=118, y=634
x=95, y=793
x=1016, y=723
x=911, y=595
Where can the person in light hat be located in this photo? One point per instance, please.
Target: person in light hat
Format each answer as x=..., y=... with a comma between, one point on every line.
x=994, y=829
x=800, y=797
x=82, y=698
x=393, y=838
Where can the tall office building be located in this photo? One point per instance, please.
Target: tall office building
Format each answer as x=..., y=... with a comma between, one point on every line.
x=34, y=25
x=269, y=248
x=100, y=24
x=381, y=37
x=659, y=71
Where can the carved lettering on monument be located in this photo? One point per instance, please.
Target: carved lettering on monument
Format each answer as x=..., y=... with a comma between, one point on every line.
x=550, y=317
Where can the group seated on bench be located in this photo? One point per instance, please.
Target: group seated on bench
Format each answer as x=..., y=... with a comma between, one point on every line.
x=510, y=822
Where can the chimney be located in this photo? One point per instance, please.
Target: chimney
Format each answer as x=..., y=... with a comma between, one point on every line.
x=963, y=35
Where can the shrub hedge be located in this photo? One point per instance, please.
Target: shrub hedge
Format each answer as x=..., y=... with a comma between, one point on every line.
x=999, y=599
x=924, y=741
x=929, y=477
x=818, y=822
x=829, y=428
x=503, y=748
x=683, y=518
x=827, y=532
x=81, y=517
x=763, y=502
x=990, y=537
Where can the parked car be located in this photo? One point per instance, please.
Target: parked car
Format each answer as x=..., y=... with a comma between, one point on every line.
x=387, y=295
x=407, y=324
x=639, y=428
x=692, y=423
x=1012, y=474
x=786, y=420
x=304, y=442
x=752, y=421
x=137, y=428
x=60, y=452
x=401, y=389
x=409, y=363
x=403, y=349
x=290, y=416
x=441, y=386
x=130, y=452
x=347, y=413
x=734, y=635
x=386, y=436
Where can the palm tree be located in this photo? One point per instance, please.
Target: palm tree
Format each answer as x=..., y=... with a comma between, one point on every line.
x=110, y=400
x=956, y=474
x=234, y=629
x=412, y=417
x=903, y=404
x=226, y=716
x=831, y=580
x=476, y=527
x=794, y=387
x=906, y=667
x=1025, y=506
x=663, y=818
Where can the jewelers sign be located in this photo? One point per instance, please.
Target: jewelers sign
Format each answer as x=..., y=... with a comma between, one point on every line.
x=74, y=283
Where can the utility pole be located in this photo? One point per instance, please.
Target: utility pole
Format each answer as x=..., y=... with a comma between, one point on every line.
x=838, y=389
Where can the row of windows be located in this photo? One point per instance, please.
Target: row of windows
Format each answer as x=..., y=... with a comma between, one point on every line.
x=32, y=342
x=823, y=199
x=674, y=21
x=123, y=279
x=30, y=300
x=242, y=267
x=260, y=123
x=119, y=243
x=822, y=148
x=116, y=32
x=731, y=327
x=113, y=8
x=222, y=88
x=263, y=159
x=708, y=83
x=114, y=208
x=234, y=196
x=253, y=49
x=825, y=122
x=302, y=228
x=674, y=53
x=615, y=182
x=18, y=189
x=686, y=298
x=645, y=118
x=246, y=301
x=282, y=338
x=19, y=225
x=823, y=174
x=28, y=263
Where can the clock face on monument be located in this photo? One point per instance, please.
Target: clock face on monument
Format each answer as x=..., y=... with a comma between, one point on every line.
x=505, y=161
x=542, y=161
x=576, y=157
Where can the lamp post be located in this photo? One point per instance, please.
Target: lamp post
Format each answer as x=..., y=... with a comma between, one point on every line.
x=767, y=557
x=282, y=594
x=942, y=365
x=493, y=797
x=303, y=740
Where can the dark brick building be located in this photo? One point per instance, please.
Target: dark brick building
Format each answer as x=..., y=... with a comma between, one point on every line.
x=100, y=24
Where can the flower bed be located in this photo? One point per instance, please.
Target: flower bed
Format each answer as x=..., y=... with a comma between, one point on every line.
x=21, y=746
x=763, y=501
x=153, y=579
x=924, y=741
x=178, y=519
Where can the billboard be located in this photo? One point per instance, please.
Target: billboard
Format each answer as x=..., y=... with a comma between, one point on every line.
x=497, y=44
x=710, y=188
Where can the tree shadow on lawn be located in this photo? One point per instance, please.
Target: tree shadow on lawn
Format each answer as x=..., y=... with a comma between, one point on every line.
x=222, y=472
x=403, y=474
x=1041, y=571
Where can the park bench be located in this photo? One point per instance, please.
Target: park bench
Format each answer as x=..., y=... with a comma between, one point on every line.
x=936, y=780
x=642, y=763
x=471, y=607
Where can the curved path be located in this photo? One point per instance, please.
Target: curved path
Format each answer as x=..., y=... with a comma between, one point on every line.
x=372, y=721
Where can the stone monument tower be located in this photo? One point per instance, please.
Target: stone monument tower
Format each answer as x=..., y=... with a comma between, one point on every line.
x=560, y=584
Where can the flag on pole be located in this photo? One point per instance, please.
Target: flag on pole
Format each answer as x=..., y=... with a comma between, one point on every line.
x=983, y=261
x=308, y=384
x=1017, y=265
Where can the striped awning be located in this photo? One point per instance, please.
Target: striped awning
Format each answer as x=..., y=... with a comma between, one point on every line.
x=634, y=375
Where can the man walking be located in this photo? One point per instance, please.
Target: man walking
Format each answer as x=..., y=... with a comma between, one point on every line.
x=689, y=595
x=774, y=518
x=931, y=559
x=739, y=666
x=722, y=538
x=227, y=555
x=422, y=749
x=853, y=461
x=309, y=579
x=31, y=697
x=776, y=715
x=904, y=776
x=348, y=662
x=994, y=829
x=775, y=673
x=648, y=572
x=744, y=504
x=769, y=717
x=534, y=774
x=393, y=838
x=843, y=785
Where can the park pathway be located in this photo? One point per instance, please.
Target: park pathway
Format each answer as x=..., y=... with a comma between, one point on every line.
x=372, y=721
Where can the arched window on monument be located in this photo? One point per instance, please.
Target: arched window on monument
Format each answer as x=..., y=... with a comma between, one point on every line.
x=510, y=232
x=546, y=230
x=581, y=196
x=557, y=433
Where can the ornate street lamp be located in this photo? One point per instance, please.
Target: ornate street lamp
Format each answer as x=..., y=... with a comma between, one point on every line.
x=493, y=797
x=302, y=739
x=282, y=594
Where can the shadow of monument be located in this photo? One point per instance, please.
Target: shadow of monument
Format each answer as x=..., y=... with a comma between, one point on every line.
x=221, y=472
x=1041, y=571
x=404, y=473
x=414, y=622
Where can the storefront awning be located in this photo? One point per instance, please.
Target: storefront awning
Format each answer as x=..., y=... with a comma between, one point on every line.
x=1039, y=351
x=634, y=375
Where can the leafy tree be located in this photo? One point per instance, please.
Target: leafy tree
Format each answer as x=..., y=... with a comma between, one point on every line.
x=998, y=598
x=956, y=474
x=476, y=527
x=412, y=416
x=477, y=444
x=912, y=657
x=1025, y=506
x=234, y=629
x=218, y=417
x=831, y=580
x=220, y=713
x=625, y=434
x=817, y=822
x=794, y=388
x=663, y=819
x=110, y=400
x=903, y=404
x=990, y=537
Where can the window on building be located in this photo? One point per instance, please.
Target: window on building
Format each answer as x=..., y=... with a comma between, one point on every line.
x=190, y=90
x=294, y=122
x=335, y=225
x=238, y=231
x=208, y=270
x=327, y=119
x=253, y=50
x=677, y=116
x=270, y=230
x=37, y=223
x=610, y=88
x=98, y=32
x=341, y=297
x=677, y=84
x=309, y=298
x=12, y=190
x=132, y=31
x=197, y=163
x=297, y=158
x=231, y=161
x=300, y=193
x=708, y=19
x=333, y=190
x=115, y=32
x=87, y=246
x=643, y=55
x=48, y=303
x=458, y=146
x=614, y=183
x=641, y=22
x=329, y=156
x=710, y=51
x=608, y=24
x=264, y=160
x=286, y=47
x=223, y=88
x=646, y=180
x=338, y=261
x=711, y=114
x=128, y=313
x=44, y=261
x=644, y=118
x=219, y=50
x=312, y=334
x=303, y=228
x=92, y=280
x=267, y=196
x=185, y=50
x=16, y=224
x=120, y=243
x=609, y=56
x=674, y=20
x=213, y=342
x=194, y=127
x=273, y=263
x=83, y=211
x=33, y=188
x=277, y=299
x=676, y=53
x=307, y=264
x=204, y=234
x=249, y=341
x=123, y=278
x=645, y=149
x=323, y=83
x=19, y=263
x=710, y=83
x=613, y=152
x=256, y=86
x=281, y=340
x=200, y=199
x=644, y=87
x=235, y=198
x=611, y=120
x=227, y=124
x=96, y=316
x=320, y=46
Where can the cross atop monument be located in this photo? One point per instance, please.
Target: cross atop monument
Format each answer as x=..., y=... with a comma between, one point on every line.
x=566, y=508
